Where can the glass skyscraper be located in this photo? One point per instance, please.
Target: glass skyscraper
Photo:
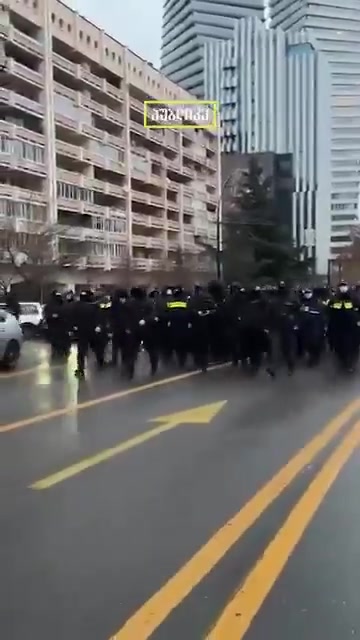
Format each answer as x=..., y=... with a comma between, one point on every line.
x=274, y=90
x=334, y=29
x=187, y=24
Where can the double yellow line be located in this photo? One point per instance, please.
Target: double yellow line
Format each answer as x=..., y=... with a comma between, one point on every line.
x=236, y=619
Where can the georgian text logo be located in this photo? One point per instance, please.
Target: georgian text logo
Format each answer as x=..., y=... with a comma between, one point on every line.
x=180, y=114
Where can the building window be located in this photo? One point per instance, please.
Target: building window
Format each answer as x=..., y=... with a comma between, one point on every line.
x=119, y=60
x=69, y=28
x=96, y=44
x=107, y=52
x=88, y=40
x=113, y=55
x=81, y=35
x=53, y=17
x=61, y=23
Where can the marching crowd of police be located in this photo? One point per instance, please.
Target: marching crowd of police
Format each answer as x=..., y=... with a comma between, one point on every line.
x=256, y=328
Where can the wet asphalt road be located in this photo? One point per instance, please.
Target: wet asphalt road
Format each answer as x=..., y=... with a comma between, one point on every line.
x=171, y=536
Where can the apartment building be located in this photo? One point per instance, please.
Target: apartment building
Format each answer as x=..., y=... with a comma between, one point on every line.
x=74, y=152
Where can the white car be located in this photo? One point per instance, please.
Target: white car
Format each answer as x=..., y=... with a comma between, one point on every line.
x=11, y=339
x=31, y=318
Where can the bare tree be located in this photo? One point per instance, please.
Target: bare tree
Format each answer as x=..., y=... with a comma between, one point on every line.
x=125, y=271
x=30, y=249
x=183, y=268
x=161, y=277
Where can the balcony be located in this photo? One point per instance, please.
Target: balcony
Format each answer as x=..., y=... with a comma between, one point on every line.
x=114, y=92
x=157, y=201
x=94, y=107
x=115, y=141
x=171, y=143
x=94, y=209
x=188, y=134
x=67, y=123
x=156, y=158
x=173, y=245
x=140, y=263
x=139, y=196
x=147, y=243
x=187, y=153
x=188, y=208
x=25, y=42
x=211, y=164
x=172, y=186
x=69, y=150
x=15, y=161
x=76, y=206
x=212, y=198
x=174, y=165
x=138, y=128
x=98, y=235
x=114, y=190
x=20, y=102
x=71, y=177
x=187, y=191
x=172, y=225
x=137, y=105
x=187, y=171
x=172, y=206
x=97, y=262
x=147, y=198
x=106, y=163
x=114, y=116
x=90, y=131
x=90, y=78
x=157, y=137
x=200, y=159
x=23, y=72
x=16, y=132
x=64, y=64
x=16, y=193
x=72, y=233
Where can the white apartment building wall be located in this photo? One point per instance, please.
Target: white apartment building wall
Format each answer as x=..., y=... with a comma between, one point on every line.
x=274, y=93
x=334, y=28
x=74, y=151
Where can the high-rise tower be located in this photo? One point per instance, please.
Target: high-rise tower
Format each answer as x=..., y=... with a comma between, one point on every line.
x=187, y=24
x=334, y=29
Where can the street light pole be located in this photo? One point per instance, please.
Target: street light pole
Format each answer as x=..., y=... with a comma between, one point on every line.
x=219, y=223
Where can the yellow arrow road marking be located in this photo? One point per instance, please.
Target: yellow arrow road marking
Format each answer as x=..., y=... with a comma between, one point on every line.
x=89, y=404
x=199, y=415
x=152, y=613
x=240, y=612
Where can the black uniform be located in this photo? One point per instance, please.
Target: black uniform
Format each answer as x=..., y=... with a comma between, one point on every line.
x=312, y=326
x=343, y=329
x=202, y=309
x=139, y=318
x=57, y=323
x=284, y=324
x=176, y=320
x=85, y=320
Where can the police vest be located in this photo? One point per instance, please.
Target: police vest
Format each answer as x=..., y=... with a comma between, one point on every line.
x=342, y=305
x=177, y=304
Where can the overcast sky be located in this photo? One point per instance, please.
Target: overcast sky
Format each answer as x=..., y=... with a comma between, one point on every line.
x=135, y=23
